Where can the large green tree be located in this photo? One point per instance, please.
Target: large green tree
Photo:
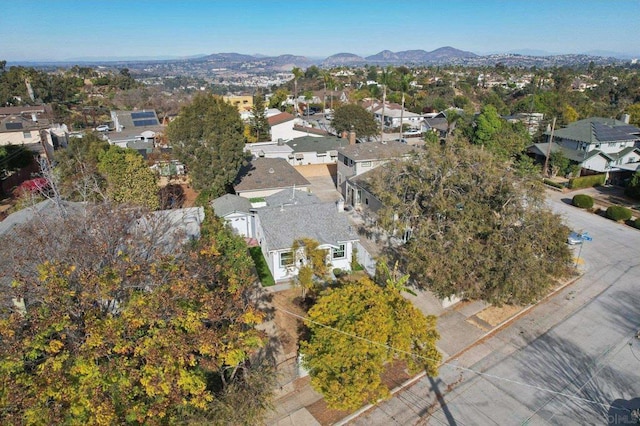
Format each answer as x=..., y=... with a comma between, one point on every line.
x=351, y=116
x=129, y=180
x=354, y=331
x=258, y=122
x=208, y=137
x=112, y=329
x=478, y=230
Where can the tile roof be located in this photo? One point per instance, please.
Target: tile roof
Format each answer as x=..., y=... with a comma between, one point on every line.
x=376, y=150
x=268, y=173
x=280, y=118
x=322, y=222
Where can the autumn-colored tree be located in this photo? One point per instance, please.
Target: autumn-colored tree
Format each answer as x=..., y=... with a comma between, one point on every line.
x=311, y=262
x=129, y=180
x=475, y=227
x=354, y=331
x=208, y=137
x=113, y=321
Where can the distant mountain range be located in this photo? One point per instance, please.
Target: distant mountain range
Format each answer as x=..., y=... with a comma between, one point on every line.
x=442, y=56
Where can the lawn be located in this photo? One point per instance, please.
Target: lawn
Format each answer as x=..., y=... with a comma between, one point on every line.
x=264, y=274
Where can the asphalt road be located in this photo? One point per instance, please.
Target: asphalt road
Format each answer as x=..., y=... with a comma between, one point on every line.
x=572, y=360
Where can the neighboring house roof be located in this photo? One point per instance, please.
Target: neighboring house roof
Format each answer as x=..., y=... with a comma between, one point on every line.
x=571, y=154
x=270, y=149
x=268, y=173
x=140, y=120
x=307, y=129
x=291, y=197
x=439, y=123
x=375, y=150
x=624, y=152
x=44, y=208
x=19, y=123
x=27, y=109
x=280, y=118
x=174, y=227
x=230, y=203
x=598, y=129
x=321, y=222
x=313, y=144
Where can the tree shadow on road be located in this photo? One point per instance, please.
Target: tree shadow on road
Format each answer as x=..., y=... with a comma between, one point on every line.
x=559, y=365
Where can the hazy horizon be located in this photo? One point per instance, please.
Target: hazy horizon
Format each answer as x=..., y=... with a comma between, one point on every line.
x=72, y=30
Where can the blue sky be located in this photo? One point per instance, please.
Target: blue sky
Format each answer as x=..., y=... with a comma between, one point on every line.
x=65, y=29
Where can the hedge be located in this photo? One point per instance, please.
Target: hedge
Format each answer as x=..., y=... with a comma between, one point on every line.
x=552, y=183
x=583, y=201
x=586, y=181
x=618, y=213
x=636, y=223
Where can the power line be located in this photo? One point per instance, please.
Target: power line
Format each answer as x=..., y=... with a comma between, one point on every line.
x=479, y=373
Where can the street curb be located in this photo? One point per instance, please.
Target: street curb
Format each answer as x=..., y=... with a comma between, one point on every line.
x=488, y=334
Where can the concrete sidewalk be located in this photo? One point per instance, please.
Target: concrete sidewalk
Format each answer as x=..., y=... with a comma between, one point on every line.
x=459, y=326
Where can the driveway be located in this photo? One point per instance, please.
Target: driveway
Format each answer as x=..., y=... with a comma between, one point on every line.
x=572, y=360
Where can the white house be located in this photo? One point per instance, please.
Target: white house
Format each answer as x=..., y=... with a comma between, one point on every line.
x=288, y=216
x=285, y=126
x=600, y=145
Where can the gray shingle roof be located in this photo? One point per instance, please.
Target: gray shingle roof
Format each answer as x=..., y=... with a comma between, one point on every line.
x=598, y=129
x=571, y=154
x=230, y=203
x=290, y=196
x=268, y=173
x=313, y=144
x=375, y=150
x=322, y=222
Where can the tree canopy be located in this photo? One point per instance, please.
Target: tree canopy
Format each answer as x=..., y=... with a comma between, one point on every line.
x=117, y=326
x=351, y=116
x=346, y=369
x=477, y=230
x=129, y=180
x=89, y=169
x=258, y=122
x=208, y=138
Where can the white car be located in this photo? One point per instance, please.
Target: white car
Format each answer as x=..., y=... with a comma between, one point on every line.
x=102, y=128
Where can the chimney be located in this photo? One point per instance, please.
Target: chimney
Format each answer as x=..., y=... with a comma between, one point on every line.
x=625, y=118
x=352, y=137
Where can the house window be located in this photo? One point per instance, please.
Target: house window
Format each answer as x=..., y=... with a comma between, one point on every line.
x=346, y=161
x=340, y=252
x=286, y=259
x=366, y=164
x=26, y=135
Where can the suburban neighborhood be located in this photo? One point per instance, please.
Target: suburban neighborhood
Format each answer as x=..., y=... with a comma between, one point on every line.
x=412, y=237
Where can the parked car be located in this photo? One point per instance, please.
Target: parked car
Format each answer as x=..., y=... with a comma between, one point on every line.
x=102, y=128
x=402, y=140
x=574, y=238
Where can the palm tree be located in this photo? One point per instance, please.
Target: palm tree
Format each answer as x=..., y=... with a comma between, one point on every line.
x=326, y=79
x=405, y=84
x=385, y=77
x=297, y=73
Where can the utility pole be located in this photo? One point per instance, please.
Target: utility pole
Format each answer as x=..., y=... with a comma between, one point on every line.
x=546, y=160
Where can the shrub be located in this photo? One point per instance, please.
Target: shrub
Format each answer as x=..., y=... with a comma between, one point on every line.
x=618, y=213
x=636, y=223
x=583, y=201
x=552, y=183
x=586, y=181
x=337, y=272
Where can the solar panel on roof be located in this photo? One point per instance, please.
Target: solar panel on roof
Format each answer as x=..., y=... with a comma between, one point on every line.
x=139, y=123
x=143, y=114
x=606, y=133
x=14, y=126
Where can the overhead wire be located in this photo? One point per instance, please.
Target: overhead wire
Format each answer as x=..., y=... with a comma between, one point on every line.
x=451, y=365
